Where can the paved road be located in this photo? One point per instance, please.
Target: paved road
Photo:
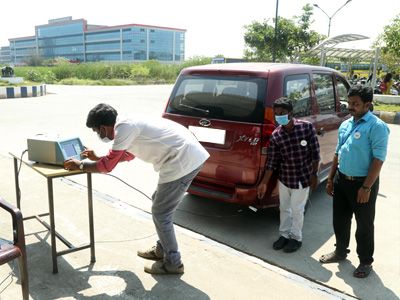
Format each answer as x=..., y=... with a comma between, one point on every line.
x=64, y=111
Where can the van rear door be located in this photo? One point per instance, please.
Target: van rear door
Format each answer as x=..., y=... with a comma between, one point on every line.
x=226, y=114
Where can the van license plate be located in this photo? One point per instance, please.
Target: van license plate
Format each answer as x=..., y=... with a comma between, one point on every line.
x=208, y=135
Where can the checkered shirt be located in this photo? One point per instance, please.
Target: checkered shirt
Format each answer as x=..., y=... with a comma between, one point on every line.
x=293, y=153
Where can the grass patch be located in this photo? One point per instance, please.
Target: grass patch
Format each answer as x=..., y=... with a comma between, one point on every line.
x=387, y=107
x=24, y=83
x=111, y=82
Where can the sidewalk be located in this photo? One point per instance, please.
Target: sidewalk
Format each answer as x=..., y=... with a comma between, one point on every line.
x=213, y=271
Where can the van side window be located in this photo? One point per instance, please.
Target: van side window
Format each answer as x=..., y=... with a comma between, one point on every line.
x=343, y=90
x=297, y=88
x=325, y=93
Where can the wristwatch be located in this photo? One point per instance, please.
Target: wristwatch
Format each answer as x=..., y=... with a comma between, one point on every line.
x=81, y=166
x=367, y=189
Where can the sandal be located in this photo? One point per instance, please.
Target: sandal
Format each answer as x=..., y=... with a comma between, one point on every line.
x=331, y=258
x=362, y=271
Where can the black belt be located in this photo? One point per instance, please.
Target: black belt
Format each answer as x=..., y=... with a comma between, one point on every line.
x=352, y=177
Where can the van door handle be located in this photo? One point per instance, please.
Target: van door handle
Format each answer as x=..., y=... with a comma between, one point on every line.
x=321, y=132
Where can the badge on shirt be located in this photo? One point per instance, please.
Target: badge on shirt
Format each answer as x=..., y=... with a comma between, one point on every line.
x=357, y=135
x=303, y=143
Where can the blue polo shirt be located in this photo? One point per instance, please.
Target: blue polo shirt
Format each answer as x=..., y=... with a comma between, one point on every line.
x=359, y=143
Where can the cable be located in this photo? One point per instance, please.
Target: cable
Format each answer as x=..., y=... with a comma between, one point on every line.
x=129, y=185
x=188, y=212
x=11, y=274
x=19, y=169
x=20, y=162
x=132, y=187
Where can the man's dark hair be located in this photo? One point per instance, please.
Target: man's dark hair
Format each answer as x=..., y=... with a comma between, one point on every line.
x=101, y=114
x=365, y=92
x=284, y=103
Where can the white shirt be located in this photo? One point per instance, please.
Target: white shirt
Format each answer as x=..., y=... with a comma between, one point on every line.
x=172, y=149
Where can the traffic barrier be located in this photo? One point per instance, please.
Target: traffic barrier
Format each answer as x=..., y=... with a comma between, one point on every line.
x=22, y=91
x=388, y=117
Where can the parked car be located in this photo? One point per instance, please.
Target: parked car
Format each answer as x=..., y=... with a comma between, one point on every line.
x=229, y=109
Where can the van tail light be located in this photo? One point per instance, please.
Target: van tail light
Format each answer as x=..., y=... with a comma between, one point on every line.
x=267, y=128
x=165, y=109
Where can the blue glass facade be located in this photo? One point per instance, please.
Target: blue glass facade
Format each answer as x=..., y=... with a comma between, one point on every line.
x=161, y=45
x=64, y=40
x=21, y=49
x=75, y=40
x=134, y=44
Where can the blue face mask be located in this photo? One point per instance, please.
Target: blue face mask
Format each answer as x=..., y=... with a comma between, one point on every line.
x=282, y=120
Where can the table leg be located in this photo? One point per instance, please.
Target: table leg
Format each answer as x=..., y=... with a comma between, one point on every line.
x=52, y=224
x=17, y=190
x=91, y=222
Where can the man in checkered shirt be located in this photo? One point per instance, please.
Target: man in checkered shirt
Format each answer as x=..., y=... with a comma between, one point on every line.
x=294, y=151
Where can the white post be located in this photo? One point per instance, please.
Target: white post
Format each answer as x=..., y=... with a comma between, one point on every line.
x=321, y=62
x=373, y=81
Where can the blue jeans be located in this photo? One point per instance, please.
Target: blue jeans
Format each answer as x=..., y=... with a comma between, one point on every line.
x=166, y=199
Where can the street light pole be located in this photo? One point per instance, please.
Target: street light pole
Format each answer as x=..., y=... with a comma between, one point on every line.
x=330, y=18
x=276, y=30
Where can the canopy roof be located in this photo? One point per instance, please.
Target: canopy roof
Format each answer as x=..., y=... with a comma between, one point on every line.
x=328, y=46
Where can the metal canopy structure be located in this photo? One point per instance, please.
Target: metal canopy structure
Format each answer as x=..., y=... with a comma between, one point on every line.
x=327, y=48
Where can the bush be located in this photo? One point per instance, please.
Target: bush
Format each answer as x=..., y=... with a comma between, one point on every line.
x=32, y=75
x=97, y=73
x=49, y=77
x=139, y=71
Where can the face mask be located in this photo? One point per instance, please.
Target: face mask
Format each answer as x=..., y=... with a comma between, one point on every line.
x=282, y=120
x=105, y=139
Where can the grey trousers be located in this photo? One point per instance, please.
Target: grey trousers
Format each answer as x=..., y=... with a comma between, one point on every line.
x=166, y=199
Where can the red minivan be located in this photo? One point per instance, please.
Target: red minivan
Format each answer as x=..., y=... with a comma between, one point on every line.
x=229, y=109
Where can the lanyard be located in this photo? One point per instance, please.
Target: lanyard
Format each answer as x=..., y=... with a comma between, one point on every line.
x=347, y=136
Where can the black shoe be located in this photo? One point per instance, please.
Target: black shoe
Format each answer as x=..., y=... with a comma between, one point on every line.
x=292, y=246
x=280, y=243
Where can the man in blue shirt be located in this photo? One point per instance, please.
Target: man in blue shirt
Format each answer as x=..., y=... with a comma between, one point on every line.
x=354, y=179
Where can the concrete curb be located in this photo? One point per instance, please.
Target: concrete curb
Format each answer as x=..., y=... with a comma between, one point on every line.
x=22, y=91
x=388, y=117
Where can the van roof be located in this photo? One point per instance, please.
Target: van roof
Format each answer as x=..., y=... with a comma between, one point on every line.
x=261, y=69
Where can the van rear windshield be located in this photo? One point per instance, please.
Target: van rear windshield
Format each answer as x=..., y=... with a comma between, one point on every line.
x=219, y=97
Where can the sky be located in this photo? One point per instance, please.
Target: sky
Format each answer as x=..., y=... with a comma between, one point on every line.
x=213, y=26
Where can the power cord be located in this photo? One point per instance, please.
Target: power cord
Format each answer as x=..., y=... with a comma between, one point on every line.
x=19, y=169
x=132, y=187
x=139, y=191
x=11, y=274
x=185, y=211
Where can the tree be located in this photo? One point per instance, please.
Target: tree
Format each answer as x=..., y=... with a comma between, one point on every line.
x=294, y=37
x=389, y=42
x=34, y=60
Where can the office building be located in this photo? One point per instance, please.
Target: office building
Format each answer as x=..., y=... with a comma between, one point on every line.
x=78, y=41
x=4, y=55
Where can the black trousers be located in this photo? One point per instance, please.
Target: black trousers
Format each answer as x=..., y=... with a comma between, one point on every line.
x=344, y=206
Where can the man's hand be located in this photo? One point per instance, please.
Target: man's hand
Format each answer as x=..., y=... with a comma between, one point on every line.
x=72, y=164
x=363, y=196
x=90, y=154
x=329, y=188
x=261, y=190
x=313, y=182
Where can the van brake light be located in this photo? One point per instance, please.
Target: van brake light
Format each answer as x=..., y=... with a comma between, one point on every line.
x=267, y=128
